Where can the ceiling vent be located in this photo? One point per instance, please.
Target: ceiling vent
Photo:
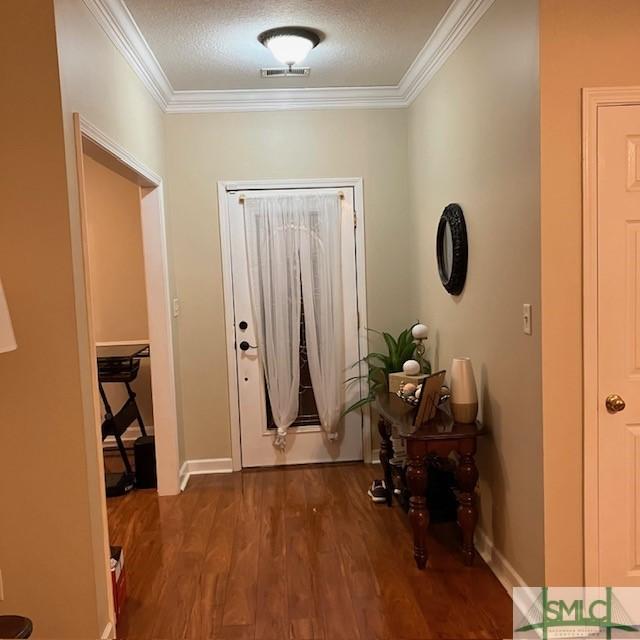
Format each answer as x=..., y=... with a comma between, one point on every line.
x=285, y=72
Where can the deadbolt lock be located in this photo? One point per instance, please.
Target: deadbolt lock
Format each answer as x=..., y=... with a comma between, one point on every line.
x=614, y=403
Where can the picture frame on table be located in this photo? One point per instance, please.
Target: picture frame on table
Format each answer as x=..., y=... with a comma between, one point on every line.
x=429, y=398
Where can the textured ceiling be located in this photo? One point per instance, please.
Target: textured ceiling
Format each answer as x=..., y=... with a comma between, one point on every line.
x=211, y=44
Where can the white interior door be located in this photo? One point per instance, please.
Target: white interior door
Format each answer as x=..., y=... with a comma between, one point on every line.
x=306, y=441
x=619, y=345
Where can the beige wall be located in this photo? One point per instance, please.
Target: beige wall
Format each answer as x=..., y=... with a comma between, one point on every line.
x=96, y=81
x=46, y=540
x=99, y=83
x=473, y=139
x=203, y=149
x=116, y=260
x=583, y=43
x=116, y=269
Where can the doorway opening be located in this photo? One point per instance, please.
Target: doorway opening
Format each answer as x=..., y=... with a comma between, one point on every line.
x=252, y=416
x=129, y=314
x=118, y=307
x=127, y=290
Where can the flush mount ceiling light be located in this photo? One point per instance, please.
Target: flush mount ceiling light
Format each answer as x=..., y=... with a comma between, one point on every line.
x=289, y=45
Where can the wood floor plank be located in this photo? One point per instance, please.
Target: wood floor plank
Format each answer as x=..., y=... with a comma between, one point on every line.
x=240, y=597
x=304, y=622
x=216, y=563
x=184, y=539
x=387, y=549
x=330, y=586
x=297, y=553
x=271, y=600
x=143, y=555
x=364, y=588
x=444, y=592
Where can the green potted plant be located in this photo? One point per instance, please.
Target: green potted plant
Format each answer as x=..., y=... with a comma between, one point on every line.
x=380, y=365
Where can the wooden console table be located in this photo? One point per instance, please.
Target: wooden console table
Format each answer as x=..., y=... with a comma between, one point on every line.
x=438, y=437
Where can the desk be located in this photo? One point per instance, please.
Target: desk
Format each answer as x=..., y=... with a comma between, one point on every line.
x=439, y=437
x=123, y=351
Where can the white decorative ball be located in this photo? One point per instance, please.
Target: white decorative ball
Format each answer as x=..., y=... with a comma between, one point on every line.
x=409, y=389
x=420, y=332
x=411, y=368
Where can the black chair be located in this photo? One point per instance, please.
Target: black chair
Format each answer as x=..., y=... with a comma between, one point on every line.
x=120, y=369
x=124, y=371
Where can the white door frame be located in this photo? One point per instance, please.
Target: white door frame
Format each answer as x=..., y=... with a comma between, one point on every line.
x=592, y=100
x=154, y=241
x=226, y=186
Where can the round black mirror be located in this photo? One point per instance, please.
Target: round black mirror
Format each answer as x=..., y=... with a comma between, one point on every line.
x=452, y=250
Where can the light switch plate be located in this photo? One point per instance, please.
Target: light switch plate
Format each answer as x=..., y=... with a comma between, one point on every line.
x=526, y=319
x=176, y=307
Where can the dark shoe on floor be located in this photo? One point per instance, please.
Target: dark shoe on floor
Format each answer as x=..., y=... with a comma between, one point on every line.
x=378, y=491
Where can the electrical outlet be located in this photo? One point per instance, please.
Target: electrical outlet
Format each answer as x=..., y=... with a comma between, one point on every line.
x=1, y=587
x=176, y=307
x=526, y=319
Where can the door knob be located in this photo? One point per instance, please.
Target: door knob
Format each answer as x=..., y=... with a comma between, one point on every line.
x=245, y=346
x=614, y=403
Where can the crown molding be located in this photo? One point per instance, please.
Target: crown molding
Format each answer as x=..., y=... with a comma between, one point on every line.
x=101, y=139
x=453, y=28
x=286, y=99
x=119, y=25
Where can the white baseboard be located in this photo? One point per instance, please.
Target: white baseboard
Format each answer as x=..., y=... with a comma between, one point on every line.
x=202, y=467
x=375, y=456
x=130, y=435
x=502, y=569
x=108, y=632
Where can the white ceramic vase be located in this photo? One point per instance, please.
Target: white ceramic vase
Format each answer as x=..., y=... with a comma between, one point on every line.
x=464, y=395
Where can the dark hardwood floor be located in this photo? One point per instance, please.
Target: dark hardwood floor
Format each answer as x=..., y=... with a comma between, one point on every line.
x=296, y=553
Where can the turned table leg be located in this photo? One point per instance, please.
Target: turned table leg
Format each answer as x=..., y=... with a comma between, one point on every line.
x=418, y=514
x=386, y=454
x=467, y=478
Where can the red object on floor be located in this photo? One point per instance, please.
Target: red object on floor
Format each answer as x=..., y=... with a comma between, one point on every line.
x=118, y=580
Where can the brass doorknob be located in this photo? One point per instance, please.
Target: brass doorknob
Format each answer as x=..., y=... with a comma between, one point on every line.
x=614, y=403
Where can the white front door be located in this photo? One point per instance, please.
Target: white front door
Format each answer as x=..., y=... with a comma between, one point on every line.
x=619, y=345
x=306, y=441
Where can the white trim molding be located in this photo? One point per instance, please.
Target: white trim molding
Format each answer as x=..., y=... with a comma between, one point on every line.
x=119, y=152
x=130, y=435
x=158, y=302
x=109, y=629
x=499, y=565
x=453, y=28
x=226, y=186
x=203, y=466
x=592, y=100
x=285, y=99
x=119, y=25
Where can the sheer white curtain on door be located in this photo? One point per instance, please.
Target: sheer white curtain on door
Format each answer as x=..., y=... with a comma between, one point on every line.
x=293, y=243
x=272, y=239
x=321, y=271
